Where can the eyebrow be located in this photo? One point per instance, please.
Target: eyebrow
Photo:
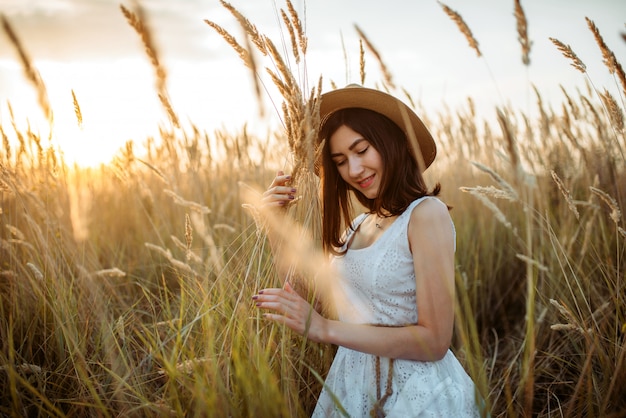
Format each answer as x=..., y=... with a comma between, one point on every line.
x=351, y=147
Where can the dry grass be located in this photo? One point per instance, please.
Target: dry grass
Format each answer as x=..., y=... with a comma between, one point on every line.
x=125, y=290
x=522, y=32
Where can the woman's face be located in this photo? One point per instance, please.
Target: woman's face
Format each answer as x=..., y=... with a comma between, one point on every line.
x=358, y=162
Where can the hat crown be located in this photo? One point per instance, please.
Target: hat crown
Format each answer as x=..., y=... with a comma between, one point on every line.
x=355, y=95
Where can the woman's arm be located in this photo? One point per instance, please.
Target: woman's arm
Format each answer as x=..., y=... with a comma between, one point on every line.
x=432, y=244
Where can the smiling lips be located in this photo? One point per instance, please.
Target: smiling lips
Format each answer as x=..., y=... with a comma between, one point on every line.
x=365, y=183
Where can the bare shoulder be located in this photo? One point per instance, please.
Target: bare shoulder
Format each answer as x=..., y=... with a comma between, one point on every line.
x=430, y=225
x=429, y=211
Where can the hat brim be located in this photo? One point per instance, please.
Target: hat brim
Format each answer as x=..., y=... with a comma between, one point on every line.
x=385, y=104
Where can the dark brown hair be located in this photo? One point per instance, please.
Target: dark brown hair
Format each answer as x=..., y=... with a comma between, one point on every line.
x=400, y=185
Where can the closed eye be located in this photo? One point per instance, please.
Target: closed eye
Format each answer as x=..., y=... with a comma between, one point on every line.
x=363, y=151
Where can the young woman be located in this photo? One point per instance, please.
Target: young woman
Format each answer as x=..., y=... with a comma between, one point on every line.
x=394, y=290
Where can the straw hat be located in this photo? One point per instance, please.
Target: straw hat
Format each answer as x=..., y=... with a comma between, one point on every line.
x=402, y=115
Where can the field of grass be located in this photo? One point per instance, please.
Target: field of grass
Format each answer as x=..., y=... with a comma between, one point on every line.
x=125, y=290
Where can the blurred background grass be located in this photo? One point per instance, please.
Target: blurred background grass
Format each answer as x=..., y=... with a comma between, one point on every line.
x=125, y=288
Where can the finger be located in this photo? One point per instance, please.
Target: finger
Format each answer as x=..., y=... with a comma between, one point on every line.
x=279, y=190
x=280, y=179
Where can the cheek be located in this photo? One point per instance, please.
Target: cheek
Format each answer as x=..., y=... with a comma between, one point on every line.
x=343, y=173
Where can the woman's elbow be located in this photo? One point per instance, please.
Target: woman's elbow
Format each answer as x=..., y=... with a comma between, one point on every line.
x=440, y=351
x=437, y=349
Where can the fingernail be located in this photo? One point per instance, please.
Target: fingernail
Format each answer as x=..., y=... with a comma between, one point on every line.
x=281, y=203
x=258, y=304
x=291, y=197
x=288, y=178
x=260, y=292
x=293, y=190
x=255, y=297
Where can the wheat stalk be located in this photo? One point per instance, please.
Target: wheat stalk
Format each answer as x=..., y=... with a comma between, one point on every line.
x=608, y=56
x=249, y=28
x=7, y=147
x=175, y=263
x=138, y=21
x=509, y=136
x=387, y=78
x=566, y=194
x=522, y=32
x=77, y=111
x=31, y=72
x=491, y=206
x=241, y=51
x=36, y=272
x=300, y=32
x=465, y=30
x=112, y=272
x=616, y=213
x=197, y=207
x=532, y=262
x=571, y=325
x=615, y=112
x=490, y=191
x=188, y=232
x=292, y=36
x=361, y=62
x=496, y=177
x=567, y=52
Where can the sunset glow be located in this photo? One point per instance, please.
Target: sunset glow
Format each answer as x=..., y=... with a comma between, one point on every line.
x=209, y=86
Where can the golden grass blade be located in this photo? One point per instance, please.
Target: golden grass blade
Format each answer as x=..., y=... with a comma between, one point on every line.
x=522, y=32
x=387, y=77
x=361, y=62
x=138, y=22
x=616, y=115
x=30, y=71
x=608, y=56
x=498, y=179
x=257, y=38
x=292, y=35
x=465, y=30
x=616, y=213
x=241, y=51
x=565, y=192
x=188, y=232
x=299, y=28
x=567, y=52
x=197, y=207
x=77, y=111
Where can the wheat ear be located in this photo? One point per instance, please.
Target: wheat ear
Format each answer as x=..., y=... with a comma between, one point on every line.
x=31, y=72
x=388, y=80
x=361, y=62
x=299, y=29
x=567, y=52
x=465, y=30
x=608, y=56
x=522, y=32
x=77, y=111
x=138, y=22
x=565, y=192
x=615, y=112
x=616, y=213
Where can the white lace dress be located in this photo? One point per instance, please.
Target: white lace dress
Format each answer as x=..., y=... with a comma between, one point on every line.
x=378, y=287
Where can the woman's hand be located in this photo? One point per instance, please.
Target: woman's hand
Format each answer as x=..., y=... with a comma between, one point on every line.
x=280, y=193
x=289, y=308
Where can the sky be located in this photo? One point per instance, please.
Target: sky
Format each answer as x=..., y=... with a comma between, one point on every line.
x=86, y=46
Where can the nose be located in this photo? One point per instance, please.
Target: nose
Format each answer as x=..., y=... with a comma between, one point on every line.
x=355, y=167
